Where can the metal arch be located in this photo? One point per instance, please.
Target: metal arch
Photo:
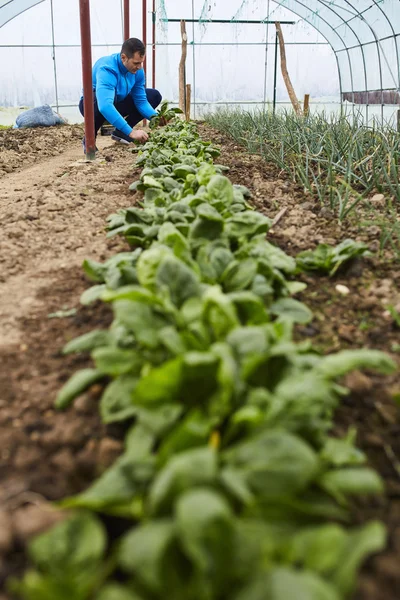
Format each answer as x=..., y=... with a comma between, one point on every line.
x=281, y=3
x=395, y=43
x=325, y=38
x=361, y=17
x=329, y=7
x=378, y=48
x=18, y=12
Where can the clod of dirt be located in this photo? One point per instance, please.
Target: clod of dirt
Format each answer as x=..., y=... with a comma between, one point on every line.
x=31, y=520
x=108, y=451
x=6, y=532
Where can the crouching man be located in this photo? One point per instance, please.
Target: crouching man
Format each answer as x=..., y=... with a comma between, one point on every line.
x=120, y=96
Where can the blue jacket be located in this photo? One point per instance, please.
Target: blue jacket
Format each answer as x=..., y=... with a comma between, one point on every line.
x=112, y=83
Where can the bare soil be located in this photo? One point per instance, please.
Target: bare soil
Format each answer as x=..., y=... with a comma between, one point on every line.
x=53, y=207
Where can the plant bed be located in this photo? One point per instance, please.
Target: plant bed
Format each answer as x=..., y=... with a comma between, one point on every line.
x=113, y=527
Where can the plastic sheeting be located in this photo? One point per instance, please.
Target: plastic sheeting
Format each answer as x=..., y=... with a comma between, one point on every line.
x=336, y=49
x=9, y=9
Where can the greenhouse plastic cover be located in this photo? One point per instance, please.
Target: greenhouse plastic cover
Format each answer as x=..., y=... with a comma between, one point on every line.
x=11, y=8
x=334, y=46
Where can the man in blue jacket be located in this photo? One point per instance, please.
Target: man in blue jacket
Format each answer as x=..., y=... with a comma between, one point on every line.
x=120, y=96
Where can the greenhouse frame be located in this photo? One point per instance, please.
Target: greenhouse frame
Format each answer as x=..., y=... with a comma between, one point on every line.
x=363, y=35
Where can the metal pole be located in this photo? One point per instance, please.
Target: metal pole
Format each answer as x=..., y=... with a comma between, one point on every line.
x=126, y=20
x=194, y=62
x=144, y=29
x=153, y=48
x=54, y=54
x=266, y=60
x=232, y=21
x=275, y=70
x=86, y=49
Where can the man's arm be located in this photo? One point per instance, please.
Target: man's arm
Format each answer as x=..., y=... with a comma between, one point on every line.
x=139, y=97
x=105, y=93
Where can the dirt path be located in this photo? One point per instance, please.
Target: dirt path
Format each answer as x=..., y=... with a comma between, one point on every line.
x=52, y=216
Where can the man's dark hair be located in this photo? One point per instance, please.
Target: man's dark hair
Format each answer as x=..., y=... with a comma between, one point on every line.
x=129, y=47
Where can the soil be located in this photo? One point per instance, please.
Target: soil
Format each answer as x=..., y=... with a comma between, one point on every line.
x=53, y=207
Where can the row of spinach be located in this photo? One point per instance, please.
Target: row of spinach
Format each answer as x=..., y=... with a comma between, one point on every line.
x=230, y=485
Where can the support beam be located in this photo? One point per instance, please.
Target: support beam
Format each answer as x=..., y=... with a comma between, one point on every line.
x=153, y=47
x=232, y=21
x=144, y=29
x=86, y=49
x=126, y=20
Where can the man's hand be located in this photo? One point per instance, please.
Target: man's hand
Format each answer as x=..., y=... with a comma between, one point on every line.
x=163, y=121
x=139, y=135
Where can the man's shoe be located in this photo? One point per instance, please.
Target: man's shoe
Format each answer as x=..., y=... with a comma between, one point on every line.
x=120, y=137
x=84, y=146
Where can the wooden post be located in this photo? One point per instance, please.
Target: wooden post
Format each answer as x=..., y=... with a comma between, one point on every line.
x=182, y=69
x=306, y=105
x=188, y=94
x=285, y=74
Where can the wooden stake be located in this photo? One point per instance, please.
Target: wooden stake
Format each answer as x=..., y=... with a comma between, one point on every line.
x=182, y=69
x=306, y=105
x=188, y=95
x=285, y=74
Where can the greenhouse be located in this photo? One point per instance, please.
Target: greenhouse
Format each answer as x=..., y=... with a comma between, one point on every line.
x=199, y=300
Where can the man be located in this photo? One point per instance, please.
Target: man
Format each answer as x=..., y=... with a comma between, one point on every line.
x=119, y=92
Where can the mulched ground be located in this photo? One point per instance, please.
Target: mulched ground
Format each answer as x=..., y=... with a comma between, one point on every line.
x=46, y=455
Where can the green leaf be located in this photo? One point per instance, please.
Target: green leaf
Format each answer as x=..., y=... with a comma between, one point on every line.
x=115, y=591
x=142, y=320
x=249, y=307
x=221, y=188
x=285, y=584
x=195, y=467
x=130, y=292
x=71, y=545
x=219, y=312
x=151, y=182
x=92, y=294
x=172, y=237
x=274, y=463
x=205, y=526
x=209, y=224
x=94, y=270
x=288, y=308
x=116, y=402
x=351, y=481
x=193, y=431
x=341, y=363
x=149, y=552
x=148, y=263
x=247, y=224
x=239, y=275
x=180, y=281
x=88, y=341
x=117, y=488
x=161, y=386
x=318, y=548
x=114, y=361
x=342, y=452
x=368, y=540
x=77, y=384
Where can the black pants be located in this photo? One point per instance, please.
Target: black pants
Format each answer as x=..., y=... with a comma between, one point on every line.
x=126, y=108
